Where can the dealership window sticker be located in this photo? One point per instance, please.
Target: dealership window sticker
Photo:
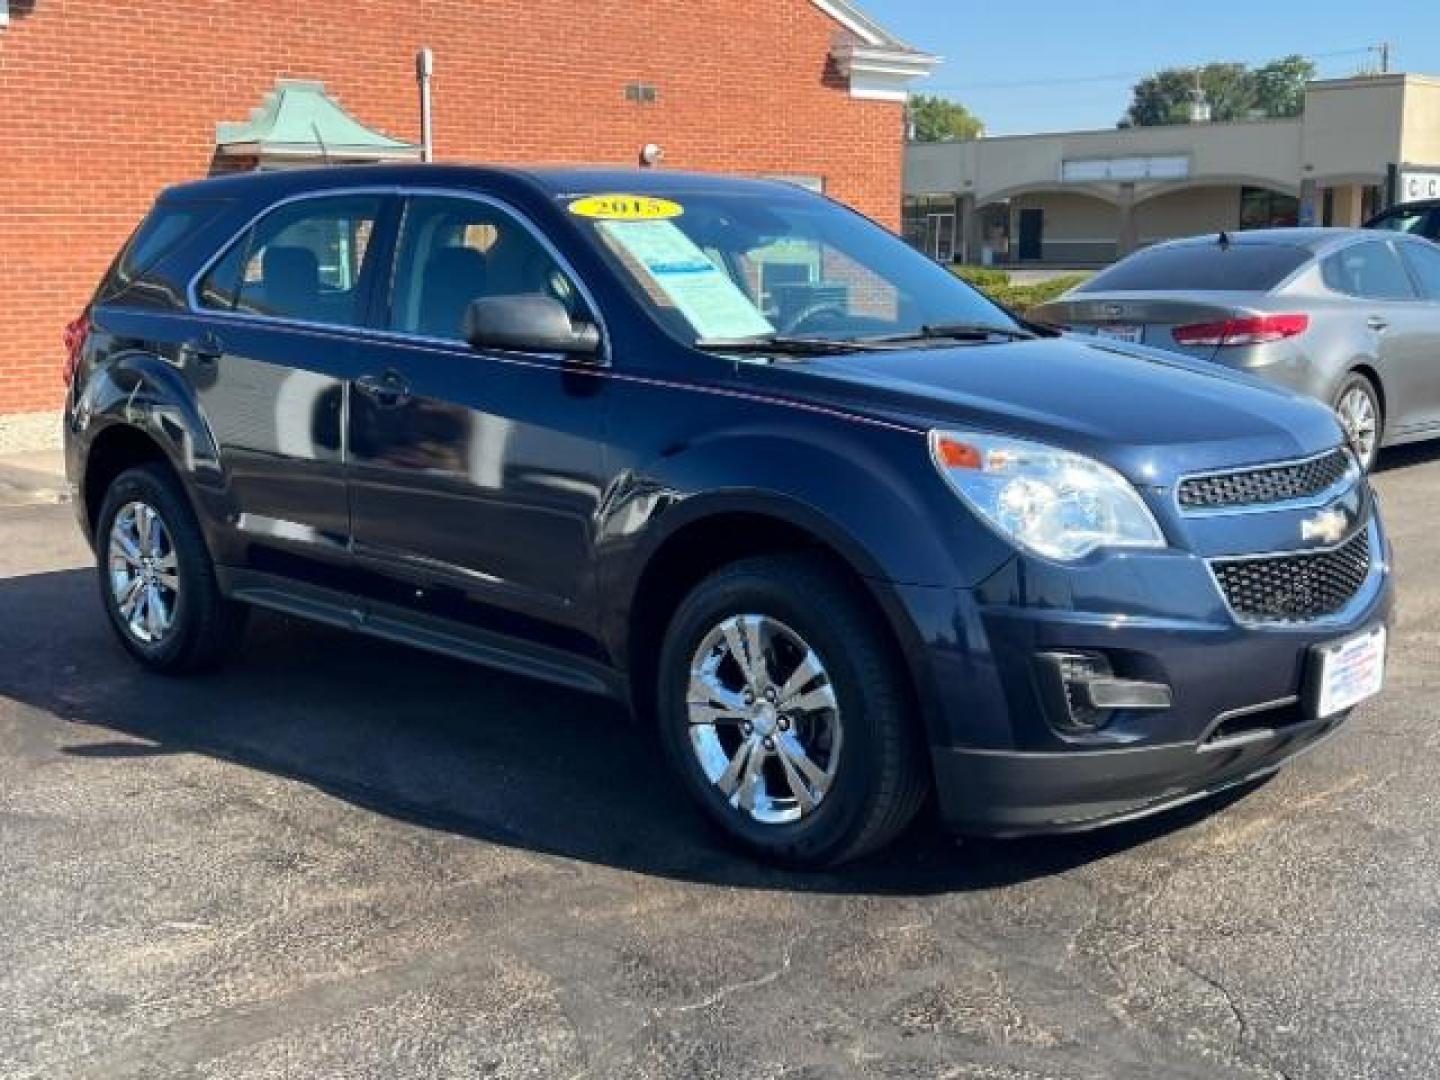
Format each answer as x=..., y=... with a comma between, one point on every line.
x=707, y=296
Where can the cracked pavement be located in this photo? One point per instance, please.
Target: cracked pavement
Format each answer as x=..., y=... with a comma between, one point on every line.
x=341, y=859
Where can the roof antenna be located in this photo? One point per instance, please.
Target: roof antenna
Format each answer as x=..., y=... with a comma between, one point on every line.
x=324, y=153
x=1223, y=240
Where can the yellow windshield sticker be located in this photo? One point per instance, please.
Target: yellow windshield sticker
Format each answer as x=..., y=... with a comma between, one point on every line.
x=625, y=208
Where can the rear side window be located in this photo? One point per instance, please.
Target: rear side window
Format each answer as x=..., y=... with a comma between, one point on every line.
x=1370, y=270
x=157, y=236
x=1424, y=259
x=1210, y=267
x=304, y=261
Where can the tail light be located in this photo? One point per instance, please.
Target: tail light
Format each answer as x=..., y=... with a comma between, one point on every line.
x=1251, y=330
x=75, y=333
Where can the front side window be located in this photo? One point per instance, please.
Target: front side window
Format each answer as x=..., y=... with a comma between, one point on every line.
x=1369, y=270
x=303, y=261
x=455, y=250
x=725, y=264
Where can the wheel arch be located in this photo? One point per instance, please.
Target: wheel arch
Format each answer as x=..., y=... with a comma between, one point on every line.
x=1368, y=369
x=707, y=534
x=140, y=409
x=115, y=449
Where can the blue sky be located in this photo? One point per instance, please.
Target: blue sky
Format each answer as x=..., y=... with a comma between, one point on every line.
x=1093, y=50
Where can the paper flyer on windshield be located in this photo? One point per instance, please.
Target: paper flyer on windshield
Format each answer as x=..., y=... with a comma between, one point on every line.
x=715, y=306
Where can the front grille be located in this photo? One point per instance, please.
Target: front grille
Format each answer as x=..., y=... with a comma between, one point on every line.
x=1268, y=484
x=1295, y=588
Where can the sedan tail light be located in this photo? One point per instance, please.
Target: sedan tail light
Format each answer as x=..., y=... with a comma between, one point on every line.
x=75, y=333
x=1249, y=330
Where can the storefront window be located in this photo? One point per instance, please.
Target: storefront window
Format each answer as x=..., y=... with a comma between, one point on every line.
x=1261, y=208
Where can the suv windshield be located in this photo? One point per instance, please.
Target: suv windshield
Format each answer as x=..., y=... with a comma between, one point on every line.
x=730, y=266
x=1413, y=220
x=1206, y=267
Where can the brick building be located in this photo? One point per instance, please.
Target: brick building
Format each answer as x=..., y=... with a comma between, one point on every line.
x=102, y=104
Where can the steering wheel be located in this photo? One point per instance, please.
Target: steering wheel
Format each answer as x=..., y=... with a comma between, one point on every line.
x=818, y=311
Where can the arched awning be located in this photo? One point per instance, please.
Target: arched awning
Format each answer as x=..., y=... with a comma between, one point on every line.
x=298, y=122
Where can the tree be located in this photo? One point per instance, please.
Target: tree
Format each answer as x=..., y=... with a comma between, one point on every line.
x=1233, y=92
x=1280, y=85
x=937, y=119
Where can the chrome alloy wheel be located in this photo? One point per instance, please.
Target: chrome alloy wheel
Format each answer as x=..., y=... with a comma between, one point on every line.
x=1356, y=412
x=764, y=719
x=144, y=573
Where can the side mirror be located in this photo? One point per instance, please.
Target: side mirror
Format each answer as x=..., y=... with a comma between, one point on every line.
x=528, y=323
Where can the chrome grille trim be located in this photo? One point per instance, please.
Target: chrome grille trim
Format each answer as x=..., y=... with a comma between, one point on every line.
x=1283, y=485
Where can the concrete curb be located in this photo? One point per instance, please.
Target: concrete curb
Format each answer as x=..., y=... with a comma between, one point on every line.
x=22, y=432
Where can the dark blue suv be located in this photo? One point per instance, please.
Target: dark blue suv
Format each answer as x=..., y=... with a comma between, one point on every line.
x=843, y=530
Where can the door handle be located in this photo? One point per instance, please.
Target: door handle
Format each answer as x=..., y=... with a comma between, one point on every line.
x=388, y=390
x=205, y=349
x=1376, y=323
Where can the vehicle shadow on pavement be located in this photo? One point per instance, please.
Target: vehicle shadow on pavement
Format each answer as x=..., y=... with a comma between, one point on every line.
x=1408, y=456
x=447, y=746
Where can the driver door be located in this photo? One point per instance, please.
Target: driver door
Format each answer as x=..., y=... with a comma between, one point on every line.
x=475, y=475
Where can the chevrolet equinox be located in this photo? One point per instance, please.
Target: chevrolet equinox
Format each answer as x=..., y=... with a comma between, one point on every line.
x=846, y=532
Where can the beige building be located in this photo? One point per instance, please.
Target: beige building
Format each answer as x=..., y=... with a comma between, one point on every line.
x=1086, y=197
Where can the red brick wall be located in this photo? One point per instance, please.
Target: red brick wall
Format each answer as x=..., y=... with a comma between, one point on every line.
x=102, y=104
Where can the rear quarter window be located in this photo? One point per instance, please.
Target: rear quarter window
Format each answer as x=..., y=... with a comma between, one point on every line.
x=162, y=232
x=1210, y=267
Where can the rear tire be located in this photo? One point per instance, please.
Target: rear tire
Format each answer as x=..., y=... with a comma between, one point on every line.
x=156, y=578
x=826, y=762
x=1357, y=407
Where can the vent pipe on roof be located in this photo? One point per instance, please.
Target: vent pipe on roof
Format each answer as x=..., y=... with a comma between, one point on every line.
x=424, y=69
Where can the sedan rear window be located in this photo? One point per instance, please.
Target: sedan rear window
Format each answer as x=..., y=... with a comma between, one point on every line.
x=1211, y=267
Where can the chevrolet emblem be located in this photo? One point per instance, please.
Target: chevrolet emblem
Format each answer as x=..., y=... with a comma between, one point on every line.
x=1328, y=526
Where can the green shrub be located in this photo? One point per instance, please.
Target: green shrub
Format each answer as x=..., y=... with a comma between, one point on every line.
x=982, y=277
x=1021, y=298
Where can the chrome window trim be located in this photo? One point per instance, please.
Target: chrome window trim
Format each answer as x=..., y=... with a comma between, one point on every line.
x=1309, y=502
x=401, y=191
x=1364, y=595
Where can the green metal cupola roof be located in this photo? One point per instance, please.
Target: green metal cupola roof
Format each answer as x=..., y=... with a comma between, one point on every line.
x=298, y=121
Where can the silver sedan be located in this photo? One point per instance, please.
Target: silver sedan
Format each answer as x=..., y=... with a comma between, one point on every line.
x=1349, y=316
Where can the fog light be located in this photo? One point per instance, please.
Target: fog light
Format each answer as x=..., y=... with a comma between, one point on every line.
x=1085, y=692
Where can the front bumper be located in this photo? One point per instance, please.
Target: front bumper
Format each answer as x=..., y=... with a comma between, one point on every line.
x=1241, y=693
x=999, y=793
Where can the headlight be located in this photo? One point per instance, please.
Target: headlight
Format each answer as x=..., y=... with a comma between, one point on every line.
x=1049, y=501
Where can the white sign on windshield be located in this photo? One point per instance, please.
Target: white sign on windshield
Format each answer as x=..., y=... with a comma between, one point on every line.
x=715, y=306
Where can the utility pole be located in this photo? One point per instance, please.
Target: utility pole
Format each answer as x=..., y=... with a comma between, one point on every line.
x=1383, y=52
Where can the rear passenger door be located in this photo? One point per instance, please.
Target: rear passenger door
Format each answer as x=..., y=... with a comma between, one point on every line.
x=1424, y=262
x=476, y=476
x=1394, y=323
x=282, y=304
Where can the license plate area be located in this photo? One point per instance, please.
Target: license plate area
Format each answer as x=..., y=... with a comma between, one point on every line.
x=1121, y=332
x=1345, y=673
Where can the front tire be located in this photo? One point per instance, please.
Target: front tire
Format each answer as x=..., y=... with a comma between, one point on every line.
x=787, y=716
x=1357, y=407
x=157, y=580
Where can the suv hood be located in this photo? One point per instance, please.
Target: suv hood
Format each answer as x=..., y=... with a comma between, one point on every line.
x=1152, y=415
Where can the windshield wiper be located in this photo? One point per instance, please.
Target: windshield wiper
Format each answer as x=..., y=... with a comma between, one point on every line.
x=780, y=345
x=958, y=331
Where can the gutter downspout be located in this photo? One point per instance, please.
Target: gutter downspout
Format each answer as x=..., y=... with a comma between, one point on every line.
x=424, y=69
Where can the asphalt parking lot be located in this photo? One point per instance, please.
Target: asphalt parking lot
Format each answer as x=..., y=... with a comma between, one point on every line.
x=341, y=859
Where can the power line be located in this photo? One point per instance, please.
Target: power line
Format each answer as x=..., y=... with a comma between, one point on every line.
x=1118, y=76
